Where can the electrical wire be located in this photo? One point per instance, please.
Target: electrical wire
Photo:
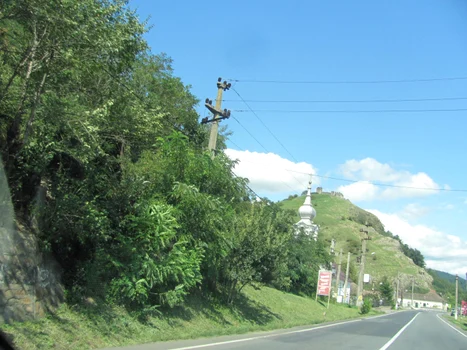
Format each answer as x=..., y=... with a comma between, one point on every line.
x=396, y=81
x=285, y=183
x=233, y=143
x=351, y=111
x=379, y=184
x=259, y=143
x=269, y=130
x=356, y=101
x=266, y=127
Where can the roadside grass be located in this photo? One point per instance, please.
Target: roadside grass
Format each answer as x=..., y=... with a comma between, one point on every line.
x=91, y=327
x=461, y=322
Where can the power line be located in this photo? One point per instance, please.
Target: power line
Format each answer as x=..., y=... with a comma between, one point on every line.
x=356, y=101
x=285, y=183
x=353, y=111
x=233, y=143
x=370, y=182
x=269, y=130
x=347, y=81
x=259, y=143
x=246, y=185
x=391, y=185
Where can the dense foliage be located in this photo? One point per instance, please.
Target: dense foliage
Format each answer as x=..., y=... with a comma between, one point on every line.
x=132, y=207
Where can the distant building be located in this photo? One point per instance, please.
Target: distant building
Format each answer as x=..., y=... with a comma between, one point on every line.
x=429, y=300
x=307, y=214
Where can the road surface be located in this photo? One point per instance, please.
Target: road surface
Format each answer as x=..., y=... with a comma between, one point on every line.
x=408, y=330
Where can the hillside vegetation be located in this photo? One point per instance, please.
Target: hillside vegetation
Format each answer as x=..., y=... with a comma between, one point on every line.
x=341, y=220
x=445, y=285
x=107, y=164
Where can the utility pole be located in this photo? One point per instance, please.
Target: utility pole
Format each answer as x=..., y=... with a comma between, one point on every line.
x=413, y=285
x=338, y=279
x=457, y=295
x=217, y=113
x=397, y=291
x=346, y=276
x=362, y=266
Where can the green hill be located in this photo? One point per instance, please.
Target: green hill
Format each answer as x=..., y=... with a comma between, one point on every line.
x=341, y=220
x=445, y=284
x=449, y=277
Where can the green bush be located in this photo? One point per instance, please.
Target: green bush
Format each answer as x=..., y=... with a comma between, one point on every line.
x=366, y=307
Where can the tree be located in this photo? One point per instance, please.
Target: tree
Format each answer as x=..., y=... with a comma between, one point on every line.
x=386, y=290
x=304, y=260
x=259, y=243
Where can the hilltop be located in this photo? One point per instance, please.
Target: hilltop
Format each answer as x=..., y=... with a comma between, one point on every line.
x=341, y=220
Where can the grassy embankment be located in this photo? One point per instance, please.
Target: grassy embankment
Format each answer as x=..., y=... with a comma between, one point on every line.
x=460, y=323
x=102, y=326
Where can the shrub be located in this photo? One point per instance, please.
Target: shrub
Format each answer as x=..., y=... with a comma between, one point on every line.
x=366, y=307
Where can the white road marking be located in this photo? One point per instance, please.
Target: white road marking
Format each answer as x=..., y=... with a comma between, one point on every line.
x=276, y=334
x=450, y=325
x=388, y=344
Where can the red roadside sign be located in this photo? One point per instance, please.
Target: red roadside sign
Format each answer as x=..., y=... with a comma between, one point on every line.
x=324, y=283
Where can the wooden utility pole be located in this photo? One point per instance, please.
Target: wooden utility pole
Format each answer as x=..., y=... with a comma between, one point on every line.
x=362, y=266
x=338, y=276
x=346, y=276
x=218, y=114
x=413, y=285
x=457, y=295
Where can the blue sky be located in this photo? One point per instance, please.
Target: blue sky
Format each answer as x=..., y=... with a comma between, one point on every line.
x=338, y=41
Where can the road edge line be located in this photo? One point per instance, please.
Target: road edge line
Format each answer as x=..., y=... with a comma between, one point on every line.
x=277, y=334
x=388, y=344
x=450, y=325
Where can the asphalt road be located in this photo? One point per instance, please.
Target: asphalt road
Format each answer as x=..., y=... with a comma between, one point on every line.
x=409, y=330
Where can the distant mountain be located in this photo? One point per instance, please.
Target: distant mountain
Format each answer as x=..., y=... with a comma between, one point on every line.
x=447, y=276
x=445, y=284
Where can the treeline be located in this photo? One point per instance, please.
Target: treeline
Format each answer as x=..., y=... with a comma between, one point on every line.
x=412, y=253
x=106, y=160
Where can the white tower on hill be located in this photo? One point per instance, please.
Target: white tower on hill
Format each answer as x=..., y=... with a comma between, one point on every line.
x=307, y=214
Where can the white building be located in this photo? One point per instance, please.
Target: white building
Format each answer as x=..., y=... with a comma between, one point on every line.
x=307, y=214
x=430, y=300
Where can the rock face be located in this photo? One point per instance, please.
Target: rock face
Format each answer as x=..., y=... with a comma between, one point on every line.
x=29, y=281
x=337, y=194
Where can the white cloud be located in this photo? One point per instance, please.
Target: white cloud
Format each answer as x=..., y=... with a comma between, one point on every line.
x=405, y=184
x=269, y=173
x=414, y=211
x=359, y=191
x=441, y=251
